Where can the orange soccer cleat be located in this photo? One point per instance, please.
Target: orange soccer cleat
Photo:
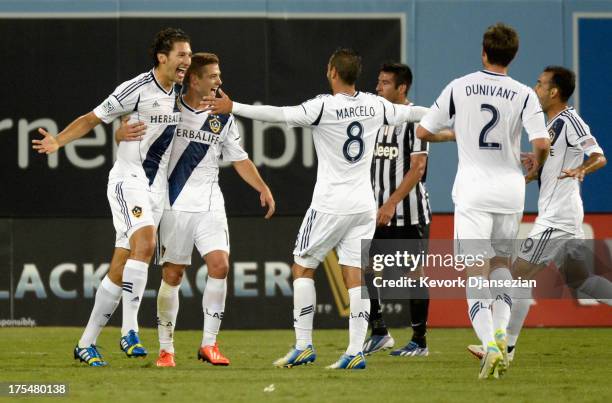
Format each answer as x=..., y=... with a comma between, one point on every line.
x=212, y=355
x=165, y=359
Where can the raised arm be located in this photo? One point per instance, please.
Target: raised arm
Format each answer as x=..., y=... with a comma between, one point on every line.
x=75, y=130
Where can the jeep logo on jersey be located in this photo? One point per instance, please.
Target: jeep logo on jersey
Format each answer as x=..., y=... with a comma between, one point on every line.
x=386, y=151
x=214, y=124
x=137, y=211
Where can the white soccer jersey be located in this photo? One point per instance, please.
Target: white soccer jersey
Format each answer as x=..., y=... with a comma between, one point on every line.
x=344, y=134
x=560, y=204
x=201, y=141
x=489, y=110
x=145, y=100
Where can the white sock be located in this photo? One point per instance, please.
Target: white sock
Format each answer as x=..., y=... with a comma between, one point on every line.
x=304, y=301
x=213, y=304
x=521, y=301
x=479, y=311
x=597, y=287
x=134, y=283
x=502, y=302
x=167, y=311
x=106, y=301
x=359, y=319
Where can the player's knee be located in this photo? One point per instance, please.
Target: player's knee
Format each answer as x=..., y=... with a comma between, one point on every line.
x=143, y=249
x=218, y=265
x=523, y=269
x=172, y=274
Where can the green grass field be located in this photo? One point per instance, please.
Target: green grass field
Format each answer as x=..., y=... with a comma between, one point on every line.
x=550, y=365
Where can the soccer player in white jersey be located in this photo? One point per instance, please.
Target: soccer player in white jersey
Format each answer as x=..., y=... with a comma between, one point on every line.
x=489, y=109
x=557, y=234
x=195, y=211
x=343, y=210
x=136, y=186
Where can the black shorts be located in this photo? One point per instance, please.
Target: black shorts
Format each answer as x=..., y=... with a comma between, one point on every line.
x=420, y=233
x=406, y=232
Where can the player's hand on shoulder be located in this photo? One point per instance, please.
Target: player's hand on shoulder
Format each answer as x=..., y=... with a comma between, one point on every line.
x=130, y=131
x=266, y=199
x=218, y=105
x=47, y=145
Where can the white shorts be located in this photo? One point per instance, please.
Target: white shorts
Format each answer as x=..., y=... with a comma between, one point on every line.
x=479, y=232
x=545, y=244
x=133, y=207
x=321, y=232
x=180, y=230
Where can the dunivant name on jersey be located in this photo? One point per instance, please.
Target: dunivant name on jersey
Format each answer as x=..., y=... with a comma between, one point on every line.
x=198, y=135
x=489, y=90
x=354, y=112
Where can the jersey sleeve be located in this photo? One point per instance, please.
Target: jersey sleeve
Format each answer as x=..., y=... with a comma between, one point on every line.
x=578, y=134
x=307, y=114
x=123, y=100
x=231, y=149
x=418, y=146
x=441, y=113
x=533, y=117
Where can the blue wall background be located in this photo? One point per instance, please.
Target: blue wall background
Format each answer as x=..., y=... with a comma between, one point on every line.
x=442, y=42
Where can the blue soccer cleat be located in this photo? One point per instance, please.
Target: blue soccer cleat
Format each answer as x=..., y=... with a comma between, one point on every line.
x=377, y=343
x=296, y=357
x=130, y=345
x=411, y=349
x=89, y=355
x=349, y=362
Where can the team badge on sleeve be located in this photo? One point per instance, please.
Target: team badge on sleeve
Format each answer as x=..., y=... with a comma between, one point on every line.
x=137, y=211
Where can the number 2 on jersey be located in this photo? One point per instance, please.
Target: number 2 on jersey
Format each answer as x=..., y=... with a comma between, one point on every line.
x=353, y=146
x=488, y=127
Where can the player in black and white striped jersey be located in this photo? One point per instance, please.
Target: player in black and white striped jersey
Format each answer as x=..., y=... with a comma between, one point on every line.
x=398, y=179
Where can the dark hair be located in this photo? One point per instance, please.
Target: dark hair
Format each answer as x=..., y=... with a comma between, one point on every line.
x=500, y=42
x=401, y=73
x=563, y=79
x=164, y=41
x=198, y=61
x=347, y=63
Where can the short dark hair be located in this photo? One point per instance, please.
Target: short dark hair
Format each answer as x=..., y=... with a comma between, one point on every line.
x=198, y=61
x=347, y=63
x=500, y=42
x=563, y=79
x=401, y=73
x=164, y=41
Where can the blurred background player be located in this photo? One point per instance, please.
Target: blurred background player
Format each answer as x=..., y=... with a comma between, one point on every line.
x=195, y=210
x=136, y=186
x=557, y=233
x=343, y=211
x=398, y=176
x=489, y=188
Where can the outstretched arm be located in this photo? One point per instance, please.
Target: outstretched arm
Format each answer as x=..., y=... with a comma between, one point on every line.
x=249, y=173
x=443, y=136
x=224, y=105
x=75, y=130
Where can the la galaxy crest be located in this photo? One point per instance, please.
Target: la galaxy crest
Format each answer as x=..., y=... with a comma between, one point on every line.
x=137, y=211
x=215, y=124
